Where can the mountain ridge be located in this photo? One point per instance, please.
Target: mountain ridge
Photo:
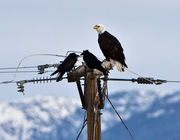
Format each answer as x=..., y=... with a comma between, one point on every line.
x=46, y=117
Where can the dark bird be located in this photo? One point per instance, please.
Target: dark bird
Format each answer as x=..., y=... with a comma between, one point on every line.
x=111, y=47
x=92, y=62
x=66, y=65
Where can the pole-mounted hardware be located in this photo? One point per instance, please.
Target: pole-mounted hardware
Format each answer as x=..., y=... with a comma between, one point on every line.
x=21, y=83
x=41, y=68
x=20, y=86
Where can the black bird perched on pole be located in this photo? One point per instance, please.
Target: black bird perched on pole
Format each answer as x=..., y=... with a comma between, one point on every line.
x=66, y=65
x=111, y=47
x=92, y=62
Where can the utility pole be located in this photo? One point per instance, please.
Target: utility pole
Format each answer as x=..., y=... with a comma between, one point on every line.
x=91, y=97
x=93, y=110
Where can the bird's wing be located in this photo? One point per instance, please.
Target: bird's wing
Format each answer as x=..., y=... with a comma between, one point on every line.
x=111, y=47
x=62, y=66
x=91, y=60
x=69, y=64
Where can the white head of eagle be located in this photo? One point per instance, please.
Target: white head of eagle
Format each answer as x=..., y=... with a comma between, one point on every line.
x=110, y=47
x=100, y=28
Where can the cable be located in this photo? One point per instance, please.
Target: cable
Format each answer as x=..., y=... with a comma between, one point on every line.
x=72, y=52
x=13, y=79
x=79, y=53
x=173, y=81
x=9, y=68
x=120, y=117
x=7, y=82
x=139, y=75
x=29, y=67
x=143, y=80
x=31, y=56
x=23, y=71
x=84, y=124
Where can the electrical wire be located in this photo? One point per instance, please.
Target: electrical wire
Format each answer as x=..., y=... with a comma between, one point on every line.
x=72, y=52
x=10, y=68
x=32, y=56
x=20, y=62
x=79, y=53
x=18, y=67
x=151, y=81
x=139, y=75
x=7, y=82
x=18, y=71
x=173, y=81
x=105, y=92
x=120, y=117
x=83, y=126
x=23, y=71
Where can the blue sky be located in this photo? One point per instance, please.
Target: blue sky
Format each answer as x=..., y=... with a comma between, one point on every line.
x=149, y=32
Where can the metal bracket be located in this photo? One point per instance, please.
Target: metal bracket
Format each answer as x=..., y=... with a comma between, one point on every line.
x=20, y=86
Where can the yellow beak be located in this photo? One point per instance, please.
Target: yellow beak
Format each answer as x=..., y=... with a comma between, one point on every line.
x=95, y=27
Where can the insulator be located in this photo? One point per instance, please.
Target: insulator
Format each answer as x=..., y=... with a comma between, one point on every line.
x=41, y=80
x=48, y=80
x=21, y=88
x=36, y=80
x=142, y=80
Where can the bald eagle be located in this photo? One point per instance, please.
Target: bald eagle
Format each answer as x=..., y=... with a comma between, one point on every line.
x=111, y=47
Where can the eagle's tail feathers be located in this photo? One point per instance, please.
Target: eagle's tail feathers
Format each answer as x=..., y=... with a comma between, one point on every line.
x=119, y=66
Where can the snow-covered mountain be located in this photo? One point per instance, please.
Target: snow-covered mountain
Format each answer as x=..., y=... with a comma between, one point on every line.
x=149, y=115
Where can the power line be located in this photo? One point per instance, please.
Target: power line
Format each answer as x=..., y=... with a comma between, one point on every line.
x=23, y=71
x=10, y=68
x=32, y=56
x=173, y=81
x=73, y=52
x=41, y=68
x=120, y=117
x=143, y=80
x=148, y=80
x=83, y=126
x=139, y=80
x=7, y=82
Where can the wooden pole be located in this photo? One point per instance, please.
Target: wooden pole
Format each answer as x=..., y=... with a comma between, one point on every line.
x=93, y=111
x=91, y=98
